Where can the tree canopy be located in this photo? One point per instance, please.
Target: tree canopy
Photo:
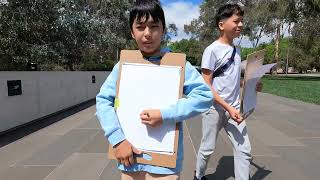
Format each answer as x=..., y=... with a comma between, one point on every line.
x=88, y=34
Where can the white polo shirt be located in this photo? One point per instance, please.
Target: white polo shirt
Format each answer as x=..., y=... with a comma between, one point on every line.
x=227, y=84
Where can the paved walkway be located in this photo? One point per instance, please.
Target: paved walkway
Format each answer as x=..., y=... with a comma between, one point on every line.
x=285, y=135
x=309, y=74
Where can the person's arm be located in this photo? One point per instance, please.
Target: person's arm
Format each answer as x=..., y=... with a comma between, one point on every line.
x=198, y=99
x=234, y=113
x=105, y=109
x=109, y=120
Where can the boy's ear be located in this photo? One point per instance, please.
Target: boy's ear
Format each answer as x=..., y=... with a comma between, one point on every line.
x=220, y=24
x=132, y=35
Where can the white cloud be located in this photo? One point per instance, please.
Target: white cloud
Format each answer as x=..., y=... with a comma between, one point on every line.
x=181, y=13
x=4, y=2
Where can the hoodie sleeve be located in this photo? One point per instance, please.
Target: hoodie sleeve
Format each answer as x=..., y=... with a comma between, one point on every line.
x=105, y=108
x=198, y=98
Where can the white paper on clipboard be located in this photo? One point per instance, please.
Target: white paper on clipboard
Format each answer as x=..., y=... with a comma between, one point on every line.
x=146, y=86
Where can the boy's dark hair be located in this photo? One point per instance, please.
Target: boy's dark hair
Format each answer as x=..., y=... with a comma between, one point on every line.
x=227, y=11
x=147, y=8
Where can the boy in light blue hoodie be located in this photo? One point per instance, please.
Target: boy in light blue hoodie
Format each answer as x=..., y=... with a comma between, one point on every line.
x=147, y=25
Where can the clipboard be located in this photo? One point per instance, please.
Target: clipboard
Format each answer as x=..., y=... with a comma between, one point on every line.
x=169, y=59
x=254, y=61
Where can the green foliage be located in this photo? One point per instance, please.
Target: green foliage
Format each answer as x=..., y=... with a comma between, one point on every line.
x=192, y=48
x=204, y=27
x=59, y=33
x=270, y=48
x=87, y=34
x=305, y=51
x=105, y=65
x=245, y=52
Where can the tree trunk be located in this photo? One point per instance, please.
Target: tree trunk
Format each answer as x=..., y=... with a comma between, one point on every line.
x=288, y=49
x=276, y=57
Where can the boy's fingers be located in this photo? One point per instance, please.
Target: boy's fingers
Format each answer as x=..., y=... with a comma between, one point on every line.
x=136, y=151
x=145, y=112
x=144, y=117
x=239, y=119
x=122, y=161
x=149, y=123
x=126, y=162
x=146, y=121
x=131, y=161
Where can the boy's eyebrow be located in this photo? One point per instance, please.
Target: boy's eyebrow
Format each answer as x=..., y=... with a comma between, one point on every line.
x=139, y=22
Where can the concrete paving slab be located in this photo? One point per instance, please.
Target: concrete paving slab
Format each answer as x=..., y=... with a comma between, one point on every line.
x=110, y=172
x=300, y=113
x=58, y=151
x=288, y=127
x=23, y=148
x=189, y=164
x=258, y=148
x=98, y=144
x=275, y=168
x=72, y=122
x=93, y=123
x=194, y=126
x=263, y=103
x=313, y=144
x=265, y=98
x=80, y=166
x=269, y=135
x=26, y=172
x=303, y=158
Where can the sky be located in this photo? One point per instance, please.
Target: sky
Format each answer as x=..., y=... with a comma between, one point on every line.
x=182, y=12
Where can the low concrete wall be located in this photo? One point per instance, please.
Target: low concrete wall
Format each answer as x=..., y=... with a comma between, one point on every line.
x=44, y=93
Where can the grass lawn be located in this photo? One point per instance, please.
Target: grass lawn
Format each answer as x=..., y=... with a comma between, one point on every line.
x=302, y=88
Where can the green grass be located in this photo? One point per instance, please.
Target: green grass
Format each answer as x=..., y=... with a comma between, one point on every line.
x=302, y=88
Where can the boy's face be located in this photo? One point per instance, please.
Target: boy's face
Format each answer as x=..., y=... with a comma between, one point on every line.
x=232, y=26
x=148, y=35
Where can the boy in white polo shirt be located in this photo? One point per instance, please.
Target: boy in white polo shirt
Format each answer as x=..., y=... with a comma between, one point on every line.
x=221, y=69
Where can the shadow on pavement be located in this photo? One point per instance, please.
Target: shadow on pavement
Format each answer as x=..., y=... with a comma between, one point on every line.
x=225, y=170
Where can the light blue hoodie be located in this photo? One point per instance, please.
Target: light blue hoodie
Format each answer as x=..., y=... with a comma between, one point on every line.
x=198, y=98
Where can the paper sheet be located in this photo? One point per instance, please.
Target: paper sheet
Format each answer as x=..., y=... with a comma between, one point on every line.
x=249, y=100
x=254, y=71
x=144, y=86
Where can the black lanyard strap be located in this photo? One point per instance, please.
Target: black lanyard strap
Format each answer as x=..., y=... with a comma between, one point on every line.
x=223, y=68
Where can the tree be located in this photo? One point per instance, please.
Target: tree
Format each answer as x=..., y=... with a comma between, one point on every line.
x=26, y=31
x=98, y=25
x=204, y=27
x=62, y=33
x=257, y=21
x=171, y=30
x=192, y=48
x=305, y=53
